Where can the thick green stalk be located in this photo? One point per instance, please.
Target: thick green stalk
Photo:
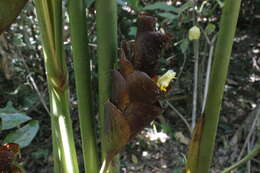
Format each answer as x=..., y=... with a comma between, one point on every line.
x=78, y=25
x=217, y=81
x=49, y=14
x=248, y=157
x=107, y=53
x=9, y=10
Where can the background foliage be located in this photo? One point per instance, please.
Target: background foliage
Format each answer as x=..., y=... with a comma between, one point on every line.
x=23, y=82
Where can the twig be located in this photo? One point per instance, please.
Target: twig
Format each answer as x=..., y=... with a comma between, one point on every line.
x=211, y=50
x=248, y=157
x=249, y=161
x=180, y=115
x=36, y=88
x=38, y=93
x=257, y=114
x=182, y=66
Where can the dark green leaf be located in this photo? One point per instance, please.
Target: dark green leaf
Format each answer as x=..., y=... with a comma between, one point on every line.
x=23, y=136
x=185, y=6
x=161, y=6
x=12, y=120
x=168, y=15
x=88, y=3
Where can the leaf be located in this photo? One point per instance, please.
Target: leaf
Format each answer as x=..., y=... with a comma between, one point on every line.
x=10, y=9
x=117, y=131
x=193, y=153
x=141, y=88
x=126, y=67
x=185, y=6
x=12, y=120
x=140, y=115
x=184, y=45
x=210, y=28
x=8, y=108
x=88, y=3
x=23, y=136
x=119, y=95
x=169, y=16
x=161, y=6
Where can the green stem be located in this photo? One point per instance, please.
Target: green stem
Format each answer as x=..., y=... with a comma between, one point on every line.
x=217, y=81
x=107, y=53
x=78, y=25
x=49, y=14
x=248, y=157
x=195, y=83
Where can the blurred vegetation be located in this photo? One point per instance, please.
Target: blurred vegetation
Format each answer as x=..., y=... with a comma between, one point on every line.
x=23, y=80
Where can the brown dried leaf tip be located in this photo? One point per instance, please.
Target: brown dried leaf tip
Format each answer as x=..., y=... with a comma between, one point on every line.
x=135, y=88
x=8, y=155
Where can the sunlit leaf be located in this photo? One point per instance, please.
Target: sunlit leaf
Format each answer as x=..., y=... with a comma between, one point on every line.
x=23, y=136
x=11, y=120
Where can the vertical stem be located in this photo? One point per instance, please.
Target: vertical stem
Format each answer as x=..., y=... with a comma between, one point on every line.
x=107, y=52
x=78, y=25
x=195, y=83
x=217, y=81
x=49, y=14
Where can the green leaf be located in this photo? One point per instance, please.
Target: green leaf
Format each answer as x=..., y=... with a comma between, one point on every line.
x=8, y=108
x=185, y=6
x=168, y=15
x=184, y=45
x=12, y=120
x=135, y=4
x=161, y=6
x=210, y=28
x=132, y=31
x=88, y=3
x=24, y=135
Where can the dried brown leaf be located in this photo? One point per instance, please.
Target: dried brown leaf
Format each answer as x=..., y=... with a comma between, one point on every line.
x=141, y=88
x=126, y=67
x=119, y=96
x=117, y=131
x=140, y=115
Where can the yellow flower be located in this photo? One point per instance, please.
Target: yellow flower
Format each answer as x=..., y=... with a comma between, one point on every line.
x=164, y=81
